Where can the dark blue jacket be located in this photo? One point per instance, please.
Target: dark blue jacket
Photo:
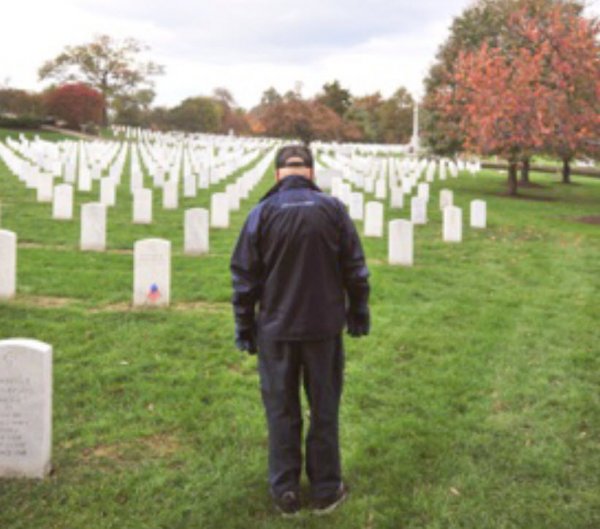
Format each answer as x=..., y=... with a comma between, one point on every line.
x=298, y=256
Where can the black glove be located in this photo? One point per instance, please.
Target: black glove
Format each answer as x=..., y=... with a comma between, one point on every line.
x=359, y=322
x=245, y=340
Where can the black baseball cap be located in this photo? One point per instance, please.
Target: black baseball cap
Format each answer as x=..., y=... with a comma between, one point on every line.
x=294, y=151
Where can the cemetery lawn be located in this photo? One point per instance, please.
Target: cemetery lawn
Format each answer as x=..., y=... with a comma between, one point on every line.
x=474, y=403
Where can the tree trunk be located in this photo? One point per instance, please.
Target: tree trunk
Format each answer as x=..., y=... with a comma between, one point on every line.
x=525, y=171
x=512, y=177
x=104, y=115
x=566, y=171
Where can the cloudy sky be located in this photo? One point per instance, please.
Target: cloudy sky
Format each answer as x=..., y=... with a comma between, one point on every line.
x=244, y=45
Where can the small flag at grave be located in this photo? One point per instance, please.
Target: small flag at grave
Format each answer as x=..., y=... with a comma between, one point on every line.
x=154, y=293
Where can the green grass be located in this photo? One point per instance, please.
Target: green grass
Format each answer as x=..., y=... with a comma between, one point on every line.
x=473, y=404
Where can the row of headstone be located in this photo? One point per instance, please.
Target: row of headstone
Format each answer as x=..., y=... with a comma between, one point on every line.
x=374, y=215
x=400, y=234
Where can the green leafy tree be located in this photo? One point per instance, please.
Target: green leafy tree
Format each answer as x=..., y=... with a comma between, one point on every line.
x=335, y=97
x=133, y=108
x=395, y=117
x=197, y=114
x=364, y=114
x=270, y=97
x=111, y=66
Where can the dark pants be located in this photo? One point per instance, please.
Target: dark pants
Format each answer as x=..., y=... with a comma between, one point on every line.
x=320, y=365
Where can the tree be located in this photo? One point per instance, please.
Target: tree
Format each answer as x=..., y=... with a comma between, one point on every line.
x=20, y=102
x=304, y=120
x=270, y=96
x=110, y=66
x=233, y=119
x=197, y=114
x=133, y=108
x=485, y=21
x=395, y=117
x=570, y=45
x=335, y=97
x=364, y=114
x=75, y=103
x=498, y=102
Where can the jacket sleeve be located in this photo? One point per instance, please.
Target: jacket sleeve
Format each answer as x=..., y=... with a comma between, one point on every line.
x=246, y=272
x=354, y=267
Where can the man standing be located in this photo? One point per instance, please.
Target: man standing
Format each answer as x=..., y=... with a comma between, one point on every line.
x=300, y=258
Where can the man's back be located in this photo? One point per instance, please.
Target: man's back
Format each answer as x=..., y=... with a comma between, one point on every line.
x=305, y=253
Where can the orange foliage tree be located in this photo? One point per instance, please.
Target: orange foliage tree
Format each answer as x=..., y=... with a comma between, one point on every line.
x=538, y=94
x=305, y=120
x=569, y=45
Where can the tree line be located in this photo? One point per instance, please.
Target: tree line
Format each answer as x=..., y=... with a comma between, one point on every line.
x=105, y=81
x=516, y=79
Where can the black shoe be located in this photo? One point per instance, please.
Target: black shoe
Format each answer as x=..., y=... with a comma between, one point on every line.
x=330, y=503
x=288, y=504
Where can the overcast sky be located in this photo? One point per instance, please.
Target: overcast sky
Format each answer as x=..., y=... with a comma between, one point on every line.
x=243, y=45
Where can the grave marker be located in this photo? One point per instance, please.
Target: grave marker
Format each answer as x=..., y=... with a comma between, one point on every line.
x=374, y=219
x=142, y=206
x=152, y=272
x=25, y=408
x=452, y=231
x=8, y=264
x=93, y=227
x=400, y=242
x=418, y=211
x=62, y=205
x=196, y=231
x=478, y=214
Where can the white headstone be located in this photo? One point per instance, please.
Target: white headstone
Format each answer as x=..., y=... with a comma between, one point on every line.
x=84, y=183
x=170, y=195
x=142, y=206
x=397, y=198
x=374, y=219
x=152, y=272
x=418, y=210
x=189, y=185
x=446, y=198
x=8, y=264
x=369, y=184
x=400, y=242
x=196, y=231
x=93, y=227
x=323, y=178
x=381, y=189
x=25, y=408
x=62, y=205
x=108, y=192
x=219, y=210
x=423, y=191
x=233, y=192
x=478, y=214
x=356, y=209
x=452, y=230
x=45, y=187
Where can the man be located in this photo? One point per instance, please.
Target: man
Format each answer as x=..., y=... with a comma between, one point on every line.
x=299, y=257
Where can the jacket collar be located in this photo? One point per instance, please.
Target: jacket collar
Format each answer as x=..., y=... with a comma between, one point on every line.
x=291, y=182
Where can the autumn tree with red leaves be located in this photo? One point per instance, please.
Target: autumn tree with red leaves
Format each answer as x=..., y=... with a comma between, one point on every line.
x=570, y=50
x=538, y=93
x=76, y=103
